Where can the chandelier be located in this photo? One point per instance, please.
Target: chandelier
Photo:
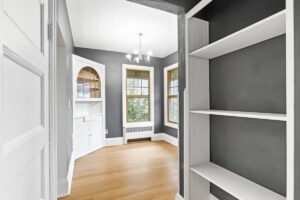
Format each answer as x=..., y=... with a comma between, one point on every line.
x=137, y=55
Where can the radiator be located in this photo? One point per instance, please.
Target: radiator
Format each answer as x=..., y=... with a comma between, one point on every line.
x=137, y=132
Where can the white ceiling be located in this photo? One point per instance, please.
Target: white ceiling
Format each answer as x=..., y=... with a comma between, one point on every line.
x=114, y=25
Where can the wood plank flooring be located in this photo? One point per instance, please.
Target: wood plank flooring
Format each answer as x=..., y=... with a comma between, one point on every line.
x=136, y=171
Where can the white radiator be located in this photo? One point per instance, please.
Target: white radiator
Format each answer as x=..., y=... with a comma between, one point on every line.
x=137, y=132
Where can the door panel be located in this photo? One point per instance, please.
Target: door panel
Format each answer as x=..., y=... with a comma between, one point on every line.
x=21, y=97
x=24, y=106
x=31, y=12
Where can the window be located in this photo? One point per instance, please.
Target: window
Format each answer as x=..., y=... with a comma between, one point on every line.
x=138, y=95
x=88, y=83
x=171, y=96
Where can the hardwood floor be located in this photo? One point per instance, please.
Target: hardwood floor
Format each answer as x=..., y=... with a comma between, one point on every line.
x=136, y=171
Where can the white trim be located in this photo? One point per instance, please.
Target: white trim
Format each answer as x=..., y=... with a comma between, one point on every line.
x=62, y=190
x=52, y=103
x=186, y=114
x=290, y=103
x=114, y=141
x=212, y=197
x=86, y=151
x=165, y=137
x=178, y=197
x=64, y=185
x=166, y=69
x=197, y=8
x=87, y=61
x=71, y=173
x=22, y=139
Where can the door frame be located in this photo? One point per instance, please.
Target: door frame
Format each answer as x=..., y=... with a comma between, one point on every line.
x=52, y=99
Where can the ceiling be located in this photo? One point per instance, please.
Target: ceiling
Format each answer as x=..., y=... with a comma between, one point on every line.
x=113, y=25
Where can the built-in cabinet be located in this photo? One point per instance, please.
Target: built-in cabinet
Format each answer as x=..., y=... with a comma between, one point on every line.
x=261, y=117
x=89, y=106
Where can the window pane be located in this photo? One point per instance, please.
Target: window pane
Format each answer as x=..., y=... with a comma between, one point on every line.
x=138, y=109
x=145, y=91
x=137, y=83
x=137, y=91
x=130, y=91
x=145, y=83
x=173, y=110
x=173, y=91
x=129, y=82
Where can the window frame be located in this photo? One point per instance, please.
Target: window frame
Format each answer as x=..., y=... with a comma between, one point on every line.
x=138, y=96
x=166, y=96
x=127, y=123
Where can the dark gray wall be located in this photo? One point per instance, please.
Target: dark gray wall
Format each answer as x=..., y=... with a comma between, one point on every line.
x=167, y=61
x=227, y=17
x=113, y=62
x=297, y=98
x=64, y=24
x=251, y=79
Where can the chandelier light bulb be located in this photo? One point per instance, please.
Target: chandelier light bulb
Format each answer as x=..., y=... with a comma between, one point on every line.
x=129, y=56
x=137, y=59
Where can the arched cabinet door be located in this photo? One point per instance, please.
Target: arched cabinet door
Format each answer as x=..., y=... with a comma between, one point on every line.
x=88, y=83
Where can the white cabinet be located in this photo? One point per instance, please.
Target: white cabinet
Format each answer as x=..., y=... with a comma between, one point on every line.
x=89, y=106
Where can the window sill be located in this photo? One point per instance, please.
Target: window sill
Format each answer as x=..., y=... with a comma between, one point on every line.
x=171, y=125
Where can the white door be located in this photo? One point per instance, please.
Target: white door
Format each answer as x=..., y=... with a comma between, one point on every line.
x=24, y=106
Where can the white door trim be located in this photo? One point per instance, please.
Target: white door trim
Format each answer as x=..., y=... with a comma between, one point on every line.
x=52, y=99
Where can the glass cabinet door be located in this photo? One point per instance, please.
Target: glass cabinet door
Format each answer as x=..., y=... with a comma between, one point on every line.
x=88, y=83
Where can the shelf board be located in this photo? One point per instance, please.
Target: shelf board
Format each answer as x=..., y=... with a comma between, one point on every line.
x=88, y=100
x=265, y=29
x=254, y=115
x=237, y=186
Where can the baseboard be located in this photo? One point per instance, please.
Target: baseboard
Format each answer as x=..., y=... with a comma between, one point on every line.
x=166, y=138
x=62, y=188
x=178, y=197
x=212, y=197
x=85, y=152
x=114, y=141
x=70, y=173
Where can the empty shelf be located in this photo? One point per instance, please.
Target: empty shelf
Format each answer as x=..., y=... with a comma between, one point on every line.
x=255, y=115
x=234, y=184
x=263, y=30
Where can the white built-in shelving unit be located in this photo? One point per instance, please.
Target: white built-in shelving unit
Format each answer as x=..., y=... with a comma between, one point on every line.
x=89, y=129
x=199, y=170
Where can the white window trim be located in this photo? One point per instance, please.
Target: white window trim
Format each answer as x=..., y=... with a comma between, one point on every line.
x=166, y=69
x=137, y=124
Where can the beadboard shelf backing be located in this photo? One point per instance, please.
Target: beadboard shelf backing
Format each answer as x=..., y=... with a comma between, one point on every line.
x=254, y=115
x=265, y=29
x=234, y=184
